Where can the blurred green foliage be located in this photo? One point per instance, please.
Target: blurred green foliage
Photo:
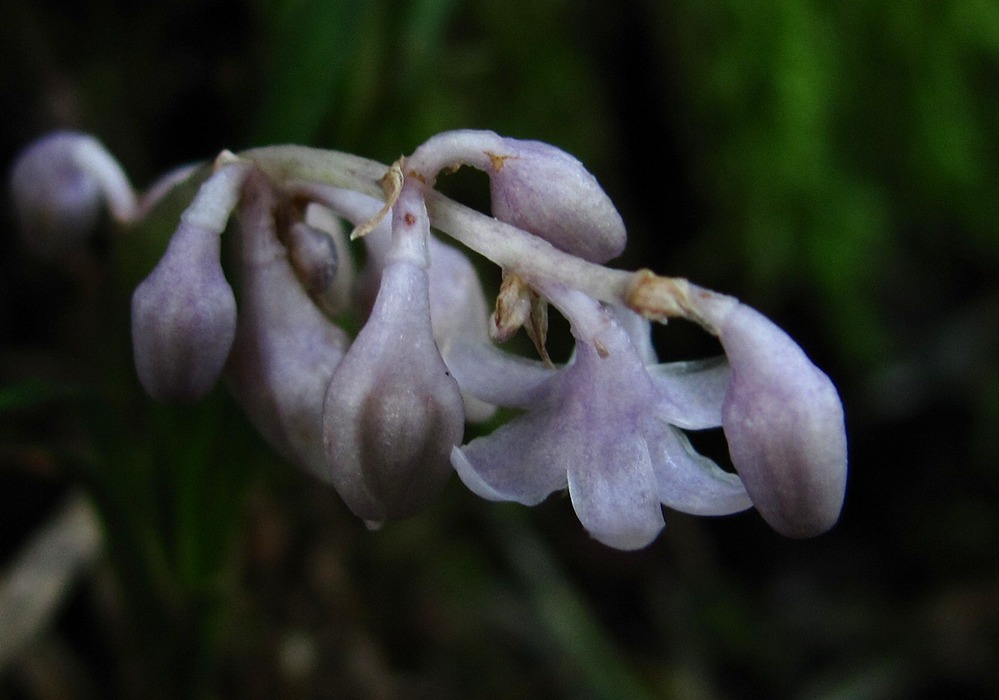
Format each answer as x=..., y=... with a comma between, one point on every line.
x=833, y=165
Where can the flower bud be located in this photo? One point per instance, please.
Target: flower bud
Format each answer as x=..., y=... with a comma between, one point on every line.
x=285, y=349
x=534, y=186
x=457, y=303
x=783, y=420
x=393, y=411
x=320, y=256
x=59, y=184
x=547, y=192
x=184, y=312
x=314, y=257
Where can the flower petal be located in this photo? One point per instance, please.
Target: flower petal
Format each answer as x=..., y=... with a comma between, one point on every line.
x=520, y=462
x=692, y=392
x=689, y=482
x=783, y=420
x=498, y=377
x=614, y=493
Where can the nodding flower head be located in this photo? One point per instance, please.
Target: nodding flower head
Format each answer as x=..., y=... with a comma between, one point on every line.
x=184, y=312
x=393, y=411
x=783, y=420
x=59, y=185
x=381, y=417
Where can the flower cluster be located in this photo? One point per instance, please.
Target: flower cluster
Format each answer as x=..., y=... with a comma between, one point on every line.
x=381, y=416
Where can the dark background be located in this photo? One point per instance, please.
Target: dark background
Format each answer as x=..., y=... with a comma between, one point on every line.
x=835, y=167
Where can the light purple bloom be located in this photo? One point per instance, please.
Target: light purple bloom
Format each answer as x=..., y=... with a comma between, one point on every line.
x=184, y=312
x=534, y=186
x=285, y=349
x=393, y=412
x=59, y=185
x=601, y=428
x=783, y=420
x=458, y=311
x=544, y=190
x=381, y=418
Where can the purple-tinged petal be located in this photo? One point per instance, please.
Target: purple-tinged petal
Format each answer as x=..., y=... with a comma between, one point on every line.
x=520, y=461
x=498, y=377
x=614, y=493
x=783, y=420
x=458, y=313
x=692, y=392
x=689, y=482
x=611, y=476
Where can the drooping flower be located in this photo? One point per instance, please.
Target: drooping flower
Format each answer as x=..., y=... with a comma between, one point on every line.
x=458, y=312
x=285, y=349
x=783, y=420
x=534, y=186
x=393, y=411
x=184, y=312
x=59, y=185
x=600, y=427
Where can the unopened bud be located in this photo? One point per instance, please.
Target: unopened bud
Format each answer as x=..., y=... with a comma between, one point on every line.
x=535, y=186
x=184, y=312
x=393, y=411
x=59, y=185
x=783, y=420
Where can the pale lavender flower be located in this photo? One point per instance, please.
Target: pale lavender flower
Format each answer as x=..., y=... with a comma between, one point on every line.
x=534, y=186
x=601, y=427
x=184, y=312
x=458, y=311
x=59, y=185
x=382, y=417
x=783, y=420
x=285, y=349
x=393, y=412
